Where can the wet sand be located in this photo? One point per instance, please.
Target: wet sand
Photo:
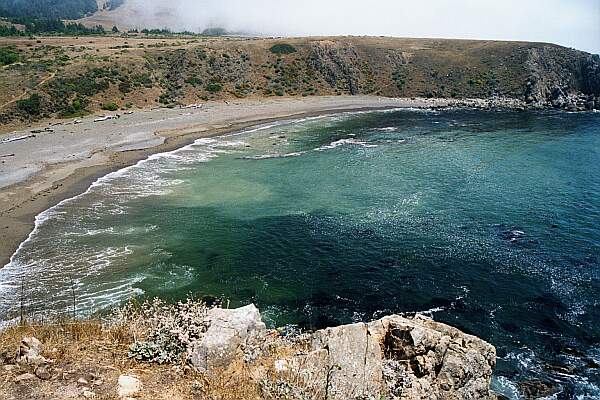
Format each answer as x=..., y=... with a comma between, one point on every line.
x=38, y=172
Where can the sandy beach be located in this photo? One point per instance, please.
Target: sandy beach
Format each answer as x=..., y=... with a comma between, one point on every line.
x=59, y=159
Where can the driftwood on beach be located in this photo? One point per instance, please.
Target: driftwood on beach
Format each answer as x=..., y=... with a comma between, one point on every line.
x=9, y=140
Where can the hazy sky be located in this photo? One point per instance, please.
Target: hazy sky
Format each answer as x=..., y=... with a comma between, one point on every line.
x=574, y=23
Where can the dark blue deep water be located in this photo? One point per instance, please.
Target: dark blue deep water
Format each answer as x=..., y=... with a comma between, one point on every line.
x=489, y=221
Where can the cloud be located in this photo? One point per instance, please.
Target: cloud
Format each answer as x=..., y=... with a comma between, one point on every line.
x=574, y=23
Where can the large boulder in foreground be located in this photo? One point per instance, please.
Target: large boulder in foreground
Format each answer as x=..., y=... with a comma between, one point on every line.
x=396, y=357
x=424, y=359
x=231, y=334
x=353, y=362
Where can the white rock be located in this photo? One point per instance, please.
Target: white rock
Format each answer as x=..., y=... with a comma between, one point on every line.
x=128, y=386
x=30, y=352
x=230, y=332
x=281, y=366
x=353, y=359
x=32, y=346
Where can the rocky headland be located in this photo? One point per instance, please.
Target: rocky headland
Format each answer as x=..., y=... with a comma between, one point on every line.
x=191, y=351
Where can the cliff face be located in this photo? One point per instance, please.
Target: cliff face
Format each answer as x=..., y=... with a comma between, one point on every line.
x=78, y=77
x=562, y=78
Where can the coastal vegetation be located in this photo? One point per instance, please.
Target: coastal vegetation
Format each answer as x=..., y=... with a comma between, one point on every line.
x=169, y=70
x=30, y=105
x=110, y=107
x=8, y=55
x=179, y=349
x=45, y=26
x=282, y=48
x=67, y=9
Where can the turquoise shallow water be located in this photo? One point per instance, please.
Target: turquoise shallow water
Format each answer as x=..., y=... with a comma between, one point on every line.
x=489, y=221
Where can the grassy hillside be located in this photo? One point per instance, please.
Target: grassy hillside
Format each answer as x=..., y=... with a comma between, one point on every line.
x=72, y=76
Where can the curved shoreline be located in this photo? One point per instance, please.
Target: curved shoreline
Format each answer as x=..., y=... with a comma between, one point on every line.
x=22, y=201
x=105, y=147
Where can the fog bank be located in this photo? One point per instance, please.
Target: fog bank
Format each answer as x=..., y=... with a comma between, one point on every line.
x=573, y=23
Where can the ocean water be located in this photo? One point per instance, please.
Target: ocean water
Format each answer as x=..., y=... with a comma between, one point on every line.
x=489, y=221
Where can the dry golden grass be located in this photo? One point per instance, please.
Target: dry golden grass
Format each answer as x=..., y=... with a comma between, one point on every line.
x=98, y=353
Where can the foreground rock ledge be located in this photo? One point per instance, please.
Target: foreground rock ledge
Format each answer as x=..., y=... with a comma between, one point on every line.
x=395, y=357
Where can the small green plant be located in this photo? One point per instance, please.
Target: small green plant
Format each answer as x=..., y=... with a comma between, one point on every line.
x=194, y=81
x=110, y=107
x=142, y=80
x=283, y=48
x=214, y=87
x=75, y=109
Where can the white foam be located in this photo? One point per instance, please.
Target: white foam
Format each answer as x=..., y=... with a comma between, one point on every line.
x=274, y=155
x=504, y=386
x=342, y=142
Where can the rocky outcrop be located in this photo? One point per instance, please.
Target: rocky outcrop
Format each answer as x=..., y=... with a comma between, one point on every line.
x=231, y=335
x=590, y=70
x=338, y=63
x=562, y=78
x=30, y=352
x=396, y=357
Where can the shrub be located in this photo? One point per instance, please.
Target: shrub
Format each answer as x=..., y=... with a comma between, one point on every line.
x=110, y=107
x=214, y=87
x=125, y=87
x=84, y=85
x=75, y=109
x=201, y=54
x=194, y=81
x=167, y=332
x=142, y=80
x=283, y=48
x=8, y=55
x=30, y=105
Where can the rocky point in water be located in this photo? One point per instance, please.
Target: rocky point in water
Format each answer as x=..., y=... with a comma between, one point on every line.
x=394, y=357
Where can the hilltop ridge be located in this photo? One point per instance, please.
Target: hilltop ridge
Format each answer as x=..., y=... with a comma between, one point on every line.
x=66, y=77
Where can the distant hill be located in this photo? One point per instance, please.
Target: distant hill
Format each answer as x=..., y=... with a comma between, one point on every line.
x=71, y=76
x=65, y=9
